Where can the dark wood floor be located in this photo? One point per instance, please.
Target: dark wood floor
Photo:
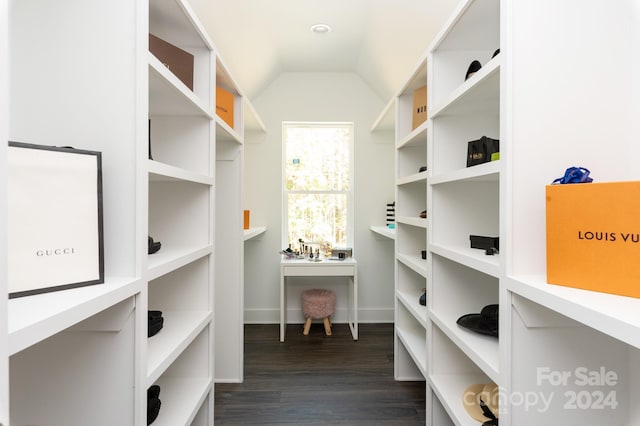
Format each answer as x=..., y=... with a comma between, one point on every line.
x=319, y=380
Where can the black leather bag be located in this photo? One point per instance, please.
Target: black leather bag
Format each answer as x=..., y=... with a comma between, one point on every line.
x=480, y=150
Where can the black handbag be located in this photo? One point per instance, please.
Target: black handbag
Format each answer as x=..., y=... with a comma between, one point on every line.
x=480, y=150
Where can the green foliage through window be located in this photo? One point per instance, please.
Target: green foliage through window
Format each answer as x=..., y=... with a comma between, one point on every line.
x=317, y=181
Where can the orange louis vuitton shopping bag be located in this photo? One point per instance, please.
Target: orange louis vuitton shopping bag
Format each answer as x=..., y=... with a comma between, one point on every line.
x=593, y=236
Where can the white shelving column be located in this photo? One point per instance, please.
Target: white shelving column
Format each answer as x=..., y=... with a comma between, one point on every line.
x=181, y=215
x=77, y=90
x=4, y=136
x=229, y=237
x=462, y=202
x=383, y=130
x=556, y=328
x=410, y=344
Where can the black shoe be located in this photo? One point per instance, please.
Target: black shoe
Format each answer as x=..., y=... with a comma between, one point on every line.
x=153, y=403
x=153, y=246
x=474, y=67
x=155, y=323
x=495, y=53
x=423, y=298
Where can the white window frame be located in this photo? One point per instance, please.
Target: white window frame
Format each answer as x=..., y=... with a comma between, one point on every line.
x=349, y=193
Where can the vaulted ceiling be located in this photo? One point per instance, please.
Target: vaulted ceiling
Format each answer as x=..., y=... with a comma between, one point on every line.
x=380, y=40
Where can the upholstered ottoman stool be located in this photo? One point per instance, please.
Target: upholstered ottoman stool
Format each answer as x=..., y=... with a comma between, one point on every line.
x=318, y=303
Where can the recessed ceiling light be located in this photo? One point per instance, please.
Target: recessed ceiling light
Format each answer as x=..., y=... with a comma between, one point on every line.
x=320, y=28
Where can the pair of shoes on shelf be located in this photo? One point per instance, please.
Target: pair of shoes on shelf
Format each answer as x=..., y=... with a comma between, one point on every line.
x=423, y=214
x=153, y=246
x=153, y=403
x=155, y=323
x=475, y=66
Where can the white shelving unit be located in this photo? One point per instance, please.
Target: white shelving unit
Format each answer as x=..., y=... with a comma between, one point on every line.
x=181, y=212
x=559, y=328
x=410, y=234
x=230, y=236
x=82, y=356
x=462, y=202
x=82, y=339
x=543, y=327
x=4, y=135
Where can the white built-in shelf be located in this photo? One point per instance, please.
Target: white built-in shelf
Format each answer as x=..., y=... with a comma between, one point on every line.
x=414, y=262
x=224, y=133
x=417, y=177
x=252, y=120
x=473, y=258
x=183, y=389
x=417, y=137
x=385, y=231
x=610, y=314
x=418, y=77
x=487, y=172
x=481, y=92
x=386, y=119
x=179, y=329
x=34, y=318
x=177, y=21
x=482, y=350
x=419, y=222
x=160, y=172
x=254, y=232
x=449, y=389
x=415, y=346
x=171, y=258
x=412, y=303
x=169, y=96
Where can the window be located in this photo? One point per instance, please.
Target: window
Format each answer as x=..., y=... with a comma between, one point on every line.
x=318, y=183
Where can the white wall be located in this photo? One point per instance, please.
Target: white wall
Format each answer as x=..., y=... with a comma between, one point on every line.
x=319, y=97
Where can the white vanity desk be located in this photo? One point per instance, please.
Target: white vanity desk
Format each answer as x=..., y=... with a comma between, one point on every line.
x=323, y=268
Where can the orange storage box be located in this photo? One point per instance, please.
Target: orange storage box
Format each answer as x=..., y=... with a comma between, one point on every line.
x=247, y=219
x=225, y=105
x=593, y=236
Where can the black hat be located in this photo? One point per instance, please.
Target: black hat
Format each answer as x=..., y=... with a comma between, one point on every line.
x=486, y=322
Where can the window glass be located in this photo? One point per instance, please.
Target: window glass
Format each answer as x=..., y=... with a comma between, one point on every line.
x=317, y=183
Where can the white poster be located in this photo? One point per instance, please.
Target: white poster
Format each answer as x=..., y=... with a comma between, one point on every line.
x=54, y=219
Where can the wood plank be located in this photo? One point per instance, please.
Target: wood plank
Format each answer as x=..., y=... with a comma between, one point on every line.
x=319, y=379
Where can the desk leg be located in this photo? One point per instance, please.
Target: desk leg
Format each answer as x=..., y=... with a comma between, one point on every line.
x=353, y=306
x=283, y=306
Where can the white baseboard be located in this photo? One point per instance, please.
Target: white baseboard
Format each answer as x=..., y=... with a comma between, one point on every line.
x=294, y=316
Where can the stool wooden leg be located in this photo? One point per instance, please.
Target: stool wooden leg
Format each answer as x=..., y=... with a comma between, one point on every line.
x=307, y=326
x=327, y=326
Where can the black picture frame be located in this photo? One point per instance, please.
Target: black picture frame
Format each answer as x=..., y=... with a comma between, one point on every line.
x=55, y=218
